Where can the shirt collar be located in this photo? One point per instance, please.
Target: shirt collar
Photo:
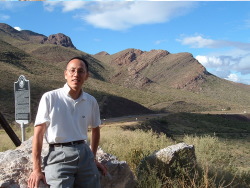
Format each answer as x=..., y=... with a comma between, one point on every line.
x=66, y=89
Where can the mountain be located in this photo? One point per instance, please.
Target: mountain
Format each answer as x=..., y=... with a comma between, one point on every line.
x=134, y=67
x=129, y=82
x=32, y=37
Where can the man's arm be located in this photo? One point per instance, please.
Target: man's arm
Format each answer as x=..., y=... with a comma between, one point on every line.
x=95, y=139
x=94, y=146
x=37, y=144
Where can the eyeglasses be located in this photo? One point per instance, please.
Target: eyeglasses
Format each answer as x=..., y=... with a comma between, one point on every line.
x=78, y=71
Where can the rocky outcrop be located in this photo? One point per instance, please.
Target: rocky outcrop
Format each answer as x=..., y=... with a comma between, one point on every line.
x=171, y=161
x=132, y=64
x=16, y=166
x=120, y=175
x=59, y=39
x=126, y=57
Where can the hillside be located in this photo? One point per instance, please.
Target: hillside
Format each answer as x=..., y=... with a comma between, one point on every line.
x=138, y=81
x=156, y=66
x=178, y=81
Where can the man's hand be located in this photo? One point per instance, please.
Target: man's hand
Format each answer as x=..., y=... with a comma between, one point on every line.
x=101, y=168
x=35, y=178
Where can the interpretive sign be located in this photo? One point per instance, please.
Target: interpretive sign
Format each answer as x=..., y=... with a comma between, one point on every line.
x=22, y=102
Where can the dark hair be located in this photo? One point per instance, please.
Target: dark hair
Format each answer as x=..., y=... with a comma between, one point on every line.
x=81, y=59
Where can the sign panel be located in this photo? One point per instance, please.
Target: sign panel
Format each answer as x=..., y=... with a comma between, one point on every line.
x=22, y=100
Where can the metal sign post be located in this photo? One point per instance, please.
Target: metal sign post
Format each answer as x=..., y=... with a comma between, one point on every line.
x=22, y=103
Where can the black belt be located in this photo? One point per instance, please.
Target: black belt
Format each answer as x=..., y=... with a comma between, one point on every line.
x=67, y=143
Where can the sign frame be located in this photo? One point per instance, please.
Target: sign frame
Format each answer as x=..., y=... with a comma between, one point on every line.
x=22, y=103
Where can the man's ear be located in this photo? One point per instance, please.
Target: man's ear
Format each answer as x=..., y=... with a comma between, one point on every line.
x=65, y=74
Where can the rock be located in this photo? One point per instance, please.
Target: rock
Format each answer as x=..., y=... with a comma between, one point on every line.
x=171, y=161
x=127, y=57
x=119, y=174
x=16, y=166
x=59, y=39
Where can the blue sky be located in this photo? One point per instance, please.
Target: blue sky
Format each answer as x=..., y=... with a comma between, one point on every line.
x=217, y=33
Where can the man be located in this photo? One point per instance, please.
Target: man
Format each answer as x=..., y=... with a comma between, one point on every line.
x=64, y=116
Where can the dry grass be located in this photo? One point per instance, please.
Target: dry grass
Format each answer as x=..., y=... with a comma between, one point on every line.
x=221, y=162
x=5, y=141
x=131, y=146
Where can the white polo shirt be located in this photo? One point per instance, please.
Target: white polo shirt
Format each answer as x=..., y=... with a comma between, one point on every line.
x=67, y=119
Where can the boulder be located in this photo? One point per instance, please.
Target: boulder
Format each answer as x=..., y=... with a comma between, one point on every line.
x=16, y=166
x=171, y=161
x=119, y=173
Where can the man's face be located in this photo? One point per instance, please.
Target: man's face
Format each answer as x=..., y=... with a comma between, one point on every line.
x=76, y=74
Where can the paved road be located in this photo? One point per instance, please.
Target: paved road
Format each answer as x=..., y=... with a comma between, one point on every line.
x=133, y=118
x=144, y=117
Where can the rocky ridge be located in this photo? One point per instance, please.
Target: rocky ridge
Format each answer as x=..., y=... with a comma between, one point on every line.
x=140, y=69
x=30, y=36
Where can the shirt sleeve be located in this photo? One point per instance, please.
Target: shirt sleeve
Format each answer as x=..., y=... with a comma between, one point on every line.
x=42, y=115
x=96, y=121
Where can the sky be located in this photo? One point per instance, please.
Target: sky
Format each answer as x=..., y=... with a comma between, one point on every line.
x=216, y=33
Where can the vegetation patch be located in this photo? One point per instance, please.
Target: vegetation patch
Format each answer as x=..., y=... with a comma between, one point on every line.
x=222, y=161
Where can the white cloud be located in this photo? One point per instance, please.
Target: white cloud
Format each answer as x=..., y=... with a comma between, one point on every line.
x=51, y=5
x=18, y=28
x=121, y=15
x=240, y=63
x=244, y=64
x=247, y=23
x=157, y=42
x=97, y=40
x=199, y=41
x=124, y=15
x=228, y=67
x=73, y=5
x=233, y=77
x=4, y=17
x=7, y=5
x=231, y=60
x=67, y=6
x=209, y=61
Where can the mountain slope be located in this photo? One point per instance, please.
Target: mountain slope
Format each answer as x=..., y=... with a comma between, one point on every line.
x=176, y=78
x=43, y=64
x=125, y=83
x=180, y=71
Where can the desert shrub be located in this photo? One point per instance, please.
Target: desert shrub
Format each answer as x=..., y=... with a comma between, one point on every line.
x=217, y=162
x=132, y=146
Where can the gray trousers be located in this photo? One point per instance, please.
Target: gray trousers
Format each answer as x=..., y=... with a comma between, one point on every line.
x=71, y=166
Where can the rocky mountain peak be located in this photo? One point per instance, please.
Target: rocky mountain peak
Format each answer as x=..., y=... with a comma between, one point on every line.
x=59, y=39
x=26, y=35
x=7, y=28
x=127, y=56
